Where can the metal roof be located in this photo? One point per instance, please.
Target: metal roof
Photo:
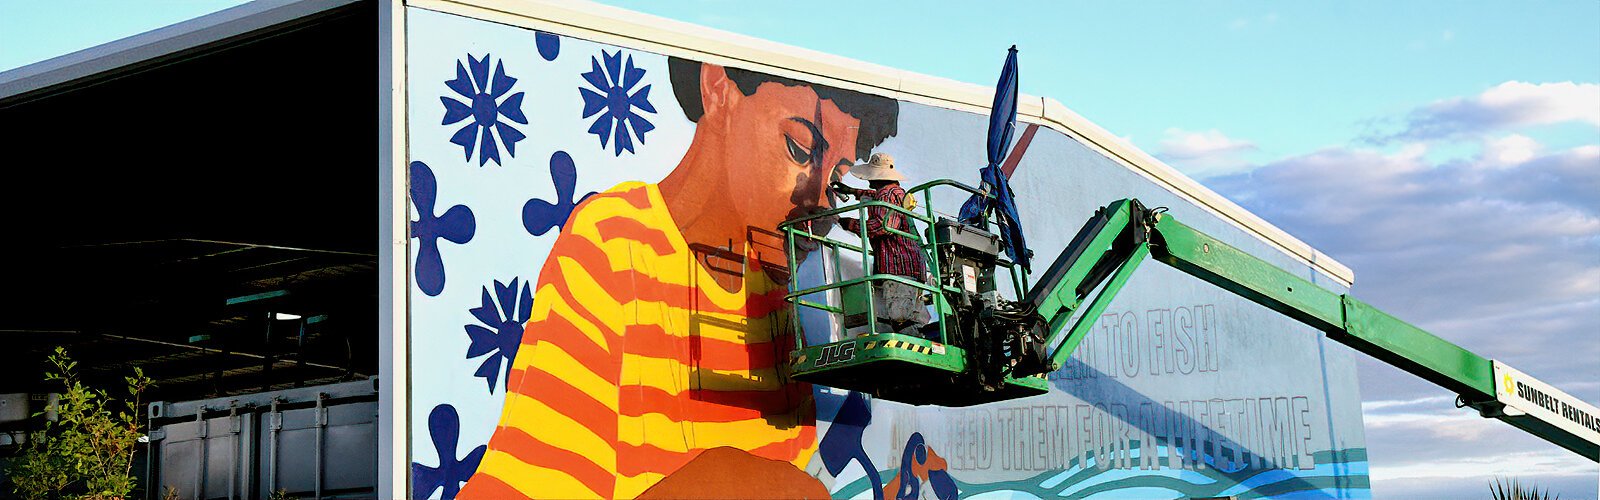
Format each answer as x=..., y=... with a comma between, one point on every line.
x=158, y=46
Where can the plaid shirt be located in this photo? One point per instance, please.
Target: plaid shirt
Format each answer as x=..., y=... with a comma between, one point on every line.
x=892, y=253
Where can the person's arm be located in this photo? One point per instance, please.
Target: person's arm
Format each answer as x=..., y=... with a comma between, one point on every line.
x=849, y=223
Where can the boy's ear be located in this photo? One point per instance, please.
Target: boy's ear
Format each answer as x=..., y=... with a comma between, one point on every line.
x=717, y=92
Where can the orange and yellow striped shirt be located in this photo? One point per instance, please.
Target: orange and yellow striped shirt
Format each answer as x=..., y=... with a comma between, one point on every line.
x=635, y=360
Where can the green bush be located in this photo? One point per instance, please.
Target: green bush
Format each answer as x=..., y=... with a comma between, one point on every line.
x=87, y=451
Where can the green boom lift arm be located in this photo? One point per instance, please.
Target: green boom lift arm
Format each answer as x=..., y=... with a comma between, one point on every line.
x=1111, y=246
x=983, y=348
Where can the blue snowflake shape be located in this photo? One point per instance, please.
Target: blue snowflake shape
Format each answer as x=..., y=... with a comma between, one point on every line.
x=444, y=426
x=455, y=226
x=485, y=107
x=501, y=331
x=611, y=93
x=540, y=216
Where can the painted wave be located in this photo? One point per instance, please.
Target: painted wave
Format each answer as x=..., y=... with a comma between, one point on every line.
x=1340, y=474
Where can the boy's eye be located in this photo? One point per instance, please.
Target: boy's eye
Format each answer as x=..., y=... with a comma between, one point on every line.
x=799, y=154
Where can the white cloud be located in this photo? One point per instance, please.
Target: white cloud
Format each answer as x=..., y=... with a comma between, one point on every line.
x=1499, y=253
x=1534, y=104
x=1514, y=149
x=1188, y=144
x=1428, y=449
x=1571, y=176
x=1372, y=406
x=1204, y=154
x=1509, y=104
x=1443, y=241
x=1568, y=486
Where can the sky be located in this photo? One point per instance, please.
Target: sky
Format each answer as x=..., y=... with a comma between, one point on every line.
x=1448, y=152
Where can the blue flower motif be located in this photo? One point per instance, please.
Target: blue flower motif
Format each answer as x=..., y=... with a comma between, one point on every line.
x=455, y=226
x=548, y=43
x=611, y=93
x=540, y=216
x=501, y=332
x=444, y=426
x=485, y=107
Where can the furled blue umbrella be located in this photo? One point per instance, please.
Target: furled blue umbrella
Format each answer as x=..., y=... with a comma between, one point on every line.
x=1002, y=123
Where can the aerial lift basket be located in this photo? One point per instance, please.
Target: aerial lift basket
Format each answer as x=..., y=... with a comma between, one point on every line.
x=933, y=364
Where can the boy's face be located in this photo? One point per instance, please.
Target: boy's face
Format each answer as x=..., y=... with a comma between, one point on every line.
x=784, y=146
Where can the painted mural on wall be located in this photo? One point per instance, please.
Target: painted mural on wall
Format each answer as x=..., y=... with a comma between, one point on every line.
x=596, y=304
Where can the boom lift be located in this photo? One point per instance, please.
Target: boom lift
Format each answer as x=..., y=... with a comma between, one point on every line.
x=983, y=347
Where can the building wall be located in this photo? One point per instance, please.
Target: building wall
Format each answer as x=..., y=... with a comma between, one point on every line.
x=569, y=334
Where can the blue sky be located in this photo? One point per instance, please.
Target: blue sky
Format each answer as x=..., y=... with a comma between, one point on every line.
x=1449, y=152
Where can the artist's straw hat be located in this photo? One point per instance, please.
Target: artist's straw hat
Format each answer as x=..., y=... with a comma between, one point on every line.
x=879, y=168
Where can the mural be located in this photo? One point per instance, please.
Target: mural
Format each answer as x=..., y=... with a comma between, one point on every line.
x=613, y=313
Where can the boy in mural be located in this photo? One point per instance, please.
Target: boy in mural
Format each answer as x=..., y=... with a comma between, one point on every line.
x=655, y=333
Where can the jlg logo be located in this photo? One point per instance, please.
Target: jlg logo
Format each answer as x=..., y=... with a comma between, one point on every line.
x=837, y=353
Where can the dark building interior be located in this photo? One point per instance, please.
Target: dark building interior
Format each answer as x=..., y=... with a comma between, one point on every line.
x=211, y=217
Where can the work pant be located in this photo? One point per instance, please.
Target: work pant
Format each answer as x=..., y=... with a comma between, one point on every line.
x=900, y=308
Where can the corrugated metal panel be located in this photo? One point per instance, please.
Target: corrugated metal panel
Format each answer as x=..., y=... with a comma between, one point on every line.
x=312, y=442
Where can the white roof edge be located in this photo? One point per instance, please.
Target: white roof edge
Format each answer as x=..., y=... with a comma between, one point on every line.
x=607, y=24
x=159, y=43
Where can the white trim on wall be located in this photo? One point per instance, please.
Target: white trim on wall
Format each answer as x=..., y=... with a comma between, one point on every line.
x=611, y=25
x=394, y=331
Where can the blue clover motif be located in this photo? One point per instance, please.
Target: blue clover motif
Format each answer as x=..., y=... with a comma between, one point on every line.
x=501, y=332
x=456, y=225
x=485, y=108
x=444, y=426
x=612, y=85
x=540, y=216
x=548, y=43
x=844, y=441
